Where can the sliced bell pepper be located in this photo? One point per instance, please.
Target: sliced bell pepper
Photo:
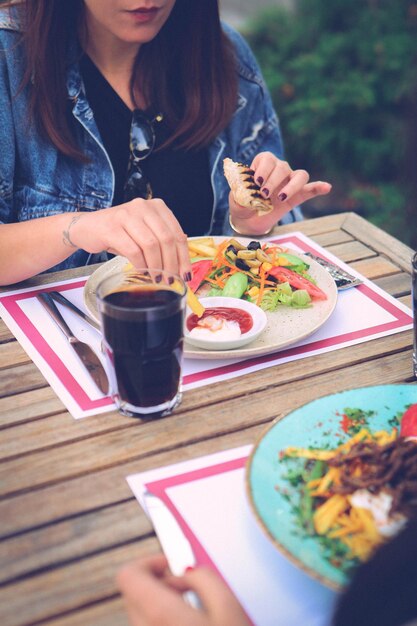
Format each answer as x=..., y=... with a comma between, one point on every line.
x=285, y=259
x=200, y=270
x=409, y=422
x=283, y=274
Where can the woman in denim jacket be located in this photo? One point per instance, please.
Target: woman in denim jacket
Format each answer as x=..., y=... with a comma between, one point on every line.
x=71, y=74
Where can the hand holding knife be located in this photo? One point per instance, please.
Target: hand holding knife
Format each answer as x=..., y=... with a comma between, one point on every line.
x=175, y=545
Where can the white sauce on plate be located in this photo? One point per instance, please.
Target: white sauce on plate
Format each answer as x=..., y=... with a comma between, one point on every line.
x=379, y=505
x=215, y=328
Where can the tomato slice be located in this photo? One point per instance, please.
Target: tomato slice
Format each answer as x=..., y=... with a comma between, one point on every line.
x=409, y=422
x=283, y=274
x=200, y=271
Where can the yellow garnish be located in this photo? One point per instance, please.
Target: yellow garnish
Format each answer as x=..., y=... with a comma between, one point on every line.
x=281, y=260
x=327, y=513
x=253, y=291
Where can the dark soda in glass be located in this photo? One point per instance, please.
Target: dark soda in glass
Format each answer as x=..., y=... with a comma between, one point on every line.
x=143, y=331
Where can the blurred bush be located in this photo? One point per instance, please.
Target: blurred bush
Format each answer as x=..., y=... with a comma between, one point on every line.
x=343, y=78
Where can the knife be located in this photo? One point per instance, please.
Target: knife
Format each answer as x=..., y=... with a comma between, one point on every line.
x=174, y=543
x=84, y=352
x=59, y=297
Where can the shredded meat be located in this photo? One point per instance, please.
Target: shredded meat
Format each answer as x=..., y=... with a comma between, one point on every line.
x=393, y=467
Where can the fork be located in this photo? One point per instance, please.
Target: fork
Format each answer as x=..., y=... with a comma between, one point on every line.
x=343, y=279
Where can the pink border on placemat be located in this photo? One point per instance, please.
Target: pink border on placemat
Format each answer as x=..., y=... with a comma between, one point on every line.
x=401, y=319
x=73, y=387
x=159, y=488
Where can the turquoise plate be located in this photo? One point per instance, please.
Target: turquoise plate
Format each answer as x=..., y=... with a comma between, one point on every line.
x=316, y=424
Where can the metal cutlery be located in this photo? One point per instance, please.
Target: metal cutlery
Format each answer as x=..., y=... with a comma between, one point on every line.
x=84, y=352
x=343, y=279
x=59, y=297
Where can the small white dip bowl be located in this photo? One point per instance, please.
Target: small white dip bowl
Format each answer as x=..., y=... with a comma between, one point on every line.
x=257, y=314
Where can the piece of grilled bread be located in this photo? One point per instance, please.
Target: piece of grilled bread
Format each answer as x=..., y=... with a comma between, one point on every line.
x=244, y=188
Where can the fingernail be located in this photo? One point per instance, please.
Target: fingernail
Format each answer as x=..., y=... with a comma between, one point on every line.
x=282, y=196
x=190, y=568
x=170, y=280
x=187, y=277
x=158, y=278
x=260, y=180
x=265, y=191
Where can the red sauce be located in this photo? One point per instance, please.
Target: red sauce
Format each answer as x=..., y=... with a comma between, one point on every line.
x=243, y=318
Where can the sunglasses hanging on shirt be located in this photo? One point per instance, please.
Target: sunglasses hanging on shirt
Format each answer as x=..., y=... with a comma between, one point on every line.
x=141, y=144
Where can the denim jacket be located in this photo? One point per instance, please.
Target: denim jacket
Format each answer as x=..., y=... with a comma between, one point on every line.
x=36, y=180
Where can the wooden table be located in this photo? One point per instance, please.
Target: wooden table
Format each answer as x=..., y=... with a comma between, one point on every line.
x=68, y=519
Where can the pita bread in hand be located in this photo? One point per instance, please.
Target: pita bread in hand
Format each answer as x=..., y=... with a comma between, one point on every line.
x=244, y=188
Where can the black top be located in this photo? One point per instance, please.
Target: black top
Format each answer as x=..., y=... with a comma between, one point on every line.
x=180, y=177
x=383, y=591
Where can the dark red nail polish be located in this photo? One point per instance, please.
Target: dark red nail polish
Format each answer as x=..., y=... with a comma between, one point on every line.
x=282, y=196
x=265, y=191
x=260, y=180
x=187, y=277
x=170, y=280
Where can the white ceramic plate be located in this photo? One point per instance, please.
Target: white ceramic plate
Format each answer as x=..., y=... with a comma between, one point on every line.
x=284, y=326
x=259, y=322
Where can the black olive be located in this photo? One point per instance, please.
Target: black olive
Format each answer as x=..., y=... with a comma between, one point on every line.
x=240, y=264
x=231, y=249
x=254, y=245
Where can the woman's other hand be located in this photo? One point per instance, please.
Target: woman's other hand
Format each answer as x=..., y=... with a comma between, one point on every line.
x=144, y=231
x=153, y=597
x=286, y=188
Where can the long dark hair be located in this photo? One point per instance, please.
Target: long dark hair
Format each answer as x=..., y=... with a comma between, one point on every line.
x=187, y=71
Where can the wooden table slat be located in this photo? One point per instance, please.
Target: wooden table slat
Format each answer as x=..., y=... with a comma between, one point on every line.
x=66, y=588
x=12, y=354
x=352, y=251
x=45, y=434
x=107, y=613
x=70, y=540
x=116, y=447
x=380, y=241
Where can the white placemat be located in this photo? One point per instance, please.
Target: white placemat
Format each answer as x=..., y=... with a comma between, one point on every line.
x=207, y=497
x=362, y=313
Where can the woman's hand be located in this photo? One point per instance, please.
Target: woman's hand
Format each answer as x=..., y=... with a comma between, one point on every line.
x=286, y=188
x=144, y=231
x=153, y=597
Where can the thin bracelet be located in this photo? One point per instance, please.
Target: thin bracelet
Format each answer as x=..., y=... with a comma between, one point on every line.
x=239, y=232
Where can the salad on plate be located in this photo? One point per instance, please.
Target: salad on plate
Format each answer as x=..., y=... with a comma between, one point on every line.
x=354, y=497
x=265, y=274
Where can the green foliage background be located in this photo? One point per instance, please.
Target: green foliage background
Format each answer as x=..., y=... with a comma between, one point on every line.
x=343, y=77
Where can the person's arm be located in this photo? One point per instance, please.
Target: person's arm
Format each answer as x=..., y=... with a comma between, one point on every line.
x=153, y=597
x=31, y=247
x=145, y=231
